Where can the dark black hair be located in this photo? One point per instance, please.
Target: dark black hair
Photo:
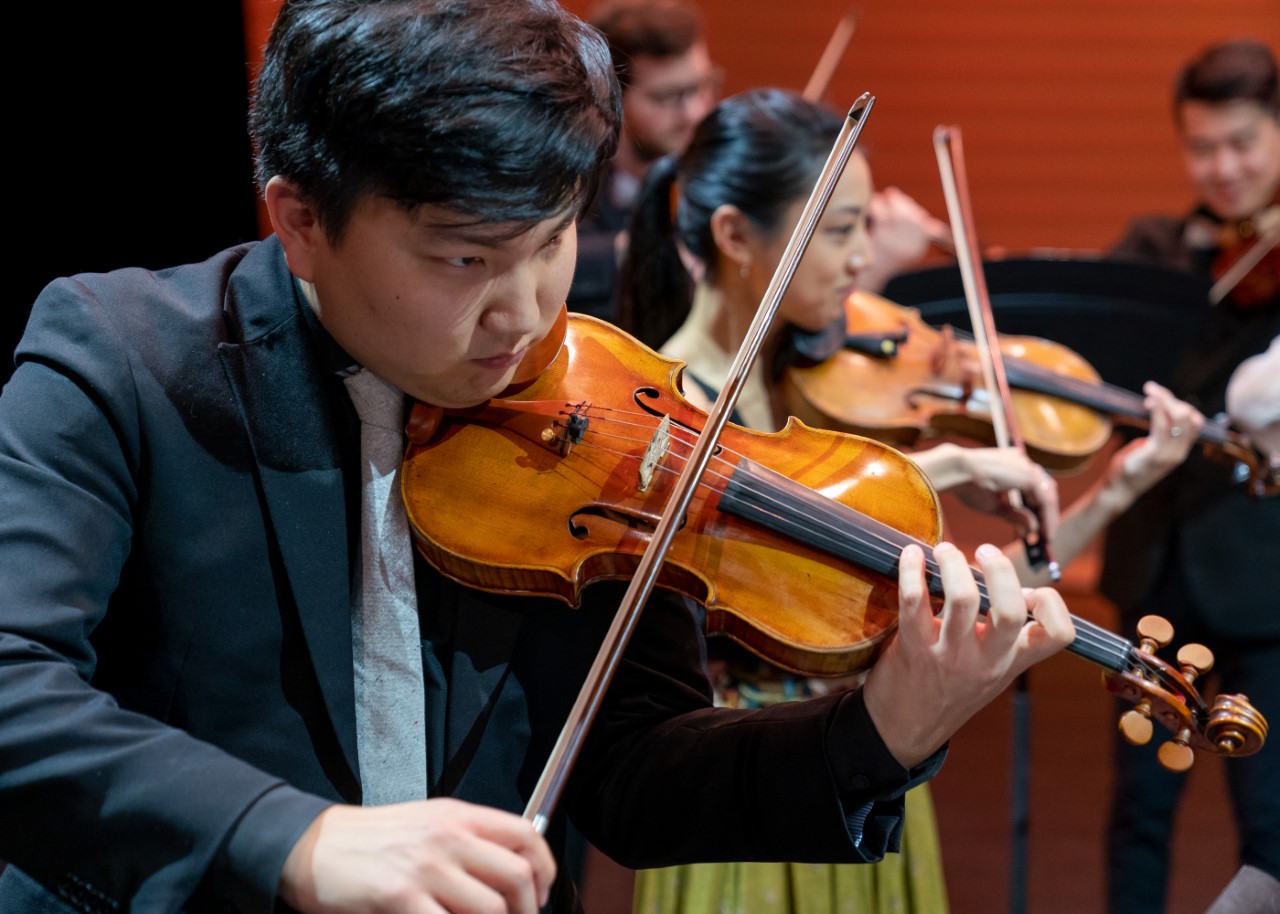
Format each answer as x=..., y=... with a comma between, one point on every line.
x=646, y=28
x=506, y=111
x=759, y=151
x=1241, y=70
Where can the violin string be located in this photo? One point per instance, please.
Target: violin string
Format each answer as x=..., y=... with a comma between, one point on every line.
x=1096, y=394
x=1104, y=643
x=1109, y=397
x=888, y=547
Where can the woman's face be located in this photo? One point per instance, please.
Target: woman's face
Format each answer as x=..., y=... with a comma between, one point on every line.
x=839, y=248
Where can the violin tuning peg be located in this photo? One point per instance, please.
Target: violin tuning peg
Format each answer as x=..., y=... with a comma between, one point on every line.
x=1155, y=632
x=1195, y=660
x=1135, y=724
x=1177, y=755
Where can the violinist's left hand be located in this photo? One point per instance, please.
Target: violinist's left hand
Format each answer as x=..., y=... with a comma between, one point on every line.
x=1142, y=463
x=939, y=670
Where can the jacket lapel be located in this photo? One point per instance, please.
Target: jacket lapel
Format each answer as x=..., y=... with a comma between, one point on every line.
x=279, y=385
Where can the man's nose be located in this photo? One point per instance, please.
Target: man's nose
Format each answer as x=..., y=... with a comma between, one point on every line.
x=1225, y=163
x=513, y=308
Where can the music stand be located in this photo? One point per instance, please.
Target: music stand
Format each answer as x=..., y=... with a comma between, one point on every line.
x=1130, y=320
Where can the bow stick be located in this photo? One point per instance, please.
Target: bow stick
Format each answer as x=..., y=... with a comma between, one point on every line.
x=950, y=153
x=820, y=78
x=551, y=784
x=1238, y=270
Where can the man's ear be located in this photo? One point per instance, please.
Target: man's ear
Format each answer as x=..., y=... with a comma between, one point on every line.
x=296, y=225
x=735, y=237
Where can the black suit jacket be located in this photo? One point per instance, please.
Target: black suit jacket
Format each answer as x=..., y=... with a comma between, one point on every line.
x=1197, y=525
x=176, y=696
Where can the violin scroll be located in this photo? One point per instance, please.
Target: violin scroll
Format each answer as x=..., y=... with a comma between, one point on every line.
x=1161, y=692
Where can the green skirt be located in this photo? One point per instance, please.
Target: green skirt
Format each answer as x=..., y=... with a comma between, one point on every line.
x=909, y=882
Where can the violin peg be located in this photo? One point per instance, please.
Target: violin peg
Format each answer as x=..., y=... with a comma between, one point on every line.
x=1177, y=755
x=1135, y=724
x=1155, y=632
x=1195, y=660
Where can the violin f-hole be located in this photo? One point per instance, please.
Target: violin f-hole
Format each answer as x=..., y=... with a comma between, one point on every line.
x=641, y=523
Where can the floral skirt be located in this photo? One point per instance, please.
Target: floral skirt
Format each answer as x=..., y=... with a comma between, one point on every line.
x=908, y=882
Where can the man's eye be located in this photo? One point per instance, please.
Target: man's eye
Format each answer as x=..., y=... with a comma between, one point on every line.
x=463, y=261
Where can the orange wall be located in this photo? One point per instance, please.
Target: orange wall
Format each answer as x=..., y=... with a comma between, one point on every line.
x=1062, y=104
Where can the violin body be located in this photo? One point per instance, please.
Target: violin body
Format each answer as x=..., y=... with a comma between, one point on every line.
x=924, y=382
x=574, y=509
x=1251, y=243
x=791, y=542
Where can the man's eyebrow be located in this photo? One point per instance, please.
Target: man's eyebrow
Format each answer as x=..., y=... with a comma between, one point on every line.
x=485, y=234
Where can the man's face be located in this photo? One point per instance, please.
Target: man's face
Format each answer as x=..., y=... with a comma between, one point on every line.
x=665, y=99
x=441, y=309
x=1232, y=154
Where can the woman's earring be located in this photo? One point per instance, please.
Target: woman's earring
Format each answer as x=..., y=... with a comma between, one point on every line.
x=744, y=270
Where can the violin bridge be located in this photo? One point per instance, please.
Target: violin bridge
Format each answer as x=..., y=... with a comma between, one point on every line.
x=659, y=444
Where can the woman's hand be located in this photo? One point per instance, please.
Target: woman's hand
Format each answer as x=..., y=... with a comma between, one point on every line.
x=980, y=477
x=1142, y=463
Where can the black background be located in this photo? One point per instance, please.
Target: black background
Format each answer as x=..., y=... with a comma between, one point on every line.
x=129, y=146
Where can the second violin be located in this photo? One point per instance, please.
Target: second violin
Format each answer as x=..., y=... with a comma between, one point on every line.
x=896, y=378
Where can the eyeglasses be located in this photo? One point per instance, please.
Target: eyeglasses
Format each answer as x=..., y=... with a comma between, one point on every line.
x=677, y=97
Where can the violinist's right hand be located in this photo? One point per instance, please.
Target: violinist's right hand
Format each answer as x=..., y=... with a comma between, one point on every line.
x=429, y=856
x=980, y=476
x=901, y=232
x=939, y=670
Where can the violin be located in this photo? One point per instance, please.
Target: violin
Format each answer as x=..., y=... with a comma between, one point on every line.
x=1246, y=269
x=898, y=379
x=791, y=541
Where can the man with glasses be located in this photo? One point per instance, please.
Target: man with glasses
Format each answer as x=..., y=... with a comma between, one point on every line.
x=668, y=84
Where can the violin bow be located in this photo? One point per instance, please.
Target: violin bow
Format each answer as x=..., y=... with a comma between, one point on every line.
x=949, y=150
x=551, y=784
x=1231, y=278
x=820, y=78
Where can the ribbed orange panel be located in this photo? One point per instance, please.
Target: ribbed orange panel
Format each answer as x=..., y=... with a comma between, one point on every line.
x=1063, y=105
x=258, y=16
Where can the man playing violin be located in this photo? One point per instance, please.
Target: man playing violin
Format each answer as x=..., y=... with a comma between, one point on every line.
x=205, y=680
x=1198, y=549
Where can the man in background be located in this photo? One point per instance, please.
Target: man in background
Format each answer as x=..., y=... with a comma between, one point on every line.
x=1198, y=549
x=668, y=84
